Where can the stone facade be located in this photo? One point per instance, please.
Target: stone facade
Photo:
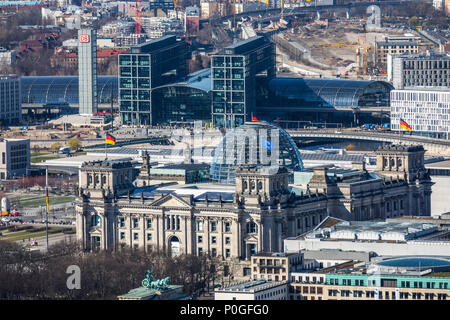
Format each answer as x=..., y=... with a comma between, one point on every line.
x=256, y=218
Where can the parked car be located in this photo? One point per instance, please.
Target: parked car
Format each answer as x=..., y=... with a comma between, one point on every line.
x=5, y=219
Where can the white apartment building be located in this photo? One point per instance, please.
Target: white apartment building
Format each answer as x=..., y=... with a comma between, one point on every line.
x=426, y=110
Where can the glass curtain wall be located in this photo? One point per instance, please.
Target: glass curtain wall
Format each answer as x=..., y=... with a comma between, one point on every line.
x=134, y=88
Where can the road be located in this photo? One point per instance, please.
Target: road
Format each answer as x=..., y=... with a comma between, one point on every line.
x=52, y=239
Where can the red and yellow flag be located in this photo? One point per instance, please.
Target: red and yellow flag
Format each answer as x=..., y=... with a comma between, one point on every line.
x=110, y=139
x=404, y=125
x=254, y=118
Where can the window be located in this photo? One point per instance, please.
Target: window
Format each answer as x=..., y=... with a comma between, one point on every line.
x=122, y=235
x=252, y=227
x=227, y=240
x=136, y=236
x=227, y=227
x=213, y=226
x=149, y=237
x=200, y=226
x=213, y=240
x=227, y=253
x=200, y=251
x=95, y=221
x=135, y=223
x=213, y=252
x=200, y=239
x=149, y=223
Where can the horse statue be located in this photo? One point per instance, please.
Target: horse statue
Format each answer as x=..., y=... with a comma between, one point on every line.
x=148, y=278
x=160, y=284
x=149, y=283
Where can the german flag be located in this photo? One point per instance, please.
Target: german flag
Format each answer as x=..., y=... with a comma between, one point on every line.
x=110, y=139
x=404, y=125
x=46, y=200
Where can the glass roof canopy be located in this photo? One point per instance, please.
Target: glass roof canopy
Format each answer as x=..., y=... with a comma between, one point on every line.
x=254, y=144
x=326, y=93
x=54, y=90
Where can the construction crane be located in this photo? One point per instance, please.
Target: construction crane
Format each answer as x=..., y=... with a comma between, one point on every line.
x=361, y=55
x=175, y=6
x=137, y=9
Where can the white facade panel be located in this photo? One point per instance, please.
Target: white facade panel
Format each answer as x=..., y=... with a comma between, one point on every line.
x=424, y=111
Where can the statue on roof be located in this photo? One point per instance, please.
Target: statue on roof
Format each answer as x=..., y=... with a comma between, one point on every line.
x=156, y=284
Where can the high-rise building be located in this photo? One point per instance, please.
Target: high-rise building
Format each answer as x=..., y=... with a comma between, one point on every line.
x=10, y=99
x=233, y=78
x=87, y=71
x=430, y=70
x=146, y=66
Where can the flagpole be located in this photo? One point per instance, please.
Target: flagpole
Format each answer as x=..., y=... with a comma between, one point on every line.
x=106, y=154
x=46, y=195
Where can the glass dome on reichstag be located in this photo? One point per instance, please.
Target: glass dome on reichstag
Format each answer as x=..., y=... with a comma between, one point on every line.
x=254, y=144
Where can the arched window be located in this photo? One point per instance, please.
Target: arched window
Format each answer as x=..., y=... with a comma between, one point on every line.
x=252, y=227
x=95, y=221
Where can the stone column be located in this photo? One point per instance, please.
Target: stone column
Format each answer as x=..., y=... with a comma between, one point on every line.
x=279, y=232
x=261, y=236
x=105, y=233
x=142, y=228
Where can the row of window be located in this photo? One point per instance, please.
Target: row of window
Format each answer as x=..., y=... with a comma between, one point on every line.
x=268, y=295
x=214, y=252
x=387, y=295
x=213, y=226
x=136, y=236
x=213, y=240
x=173, y=223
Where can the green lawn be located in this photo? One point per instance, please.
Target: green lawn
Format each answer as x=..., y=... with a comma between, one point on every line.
x=36, y=201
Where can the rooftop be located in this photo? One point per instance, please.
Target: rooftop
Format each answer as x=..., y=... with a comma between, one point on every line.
x=251, y=286
x=173, y=292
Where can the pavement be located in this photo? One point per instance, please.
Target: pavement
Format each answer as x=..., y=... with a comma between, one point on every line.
x=52, y=239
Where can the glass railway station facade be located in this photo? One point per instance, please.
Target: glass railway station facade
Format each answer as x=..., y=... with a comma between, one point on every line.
x=191, y=99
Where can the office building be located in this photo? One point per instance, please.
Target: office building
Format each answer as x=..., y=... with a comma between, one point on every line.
x=253, y=290
x=146, y=66
x=394, y=47
x=233, y=79
x=15, y=162
x=426, y=110
x=10, y=99
x=430, y=70
x=392, y=278
x=87, y=71
x=275, y=266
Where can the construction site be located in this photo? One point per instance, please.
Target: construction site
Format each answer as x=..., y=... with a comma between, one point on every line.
x=343, y=49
